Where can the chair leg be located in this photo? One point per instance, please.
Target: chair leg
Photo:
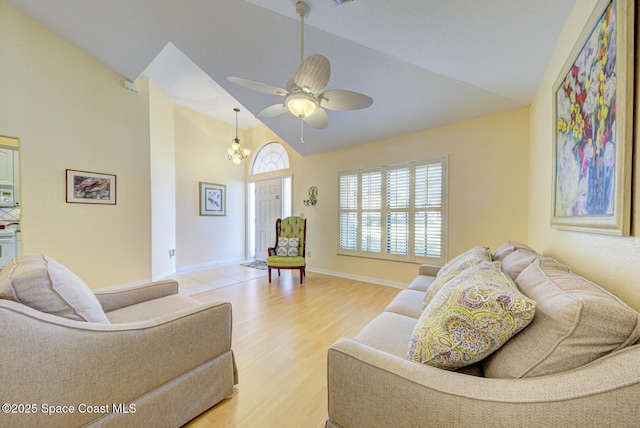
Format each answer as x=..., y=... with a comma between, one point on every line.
x=278, y=272
x=302, y=275
x=269, y=269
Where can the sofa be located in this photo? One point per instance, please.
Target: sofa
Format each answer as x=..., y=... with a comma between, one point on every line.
x=576, y=362
x=134, y=356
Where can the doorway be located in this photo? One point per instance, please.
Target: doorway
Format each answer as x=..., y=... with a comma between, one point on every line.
x=268, y=200
x=10, y=199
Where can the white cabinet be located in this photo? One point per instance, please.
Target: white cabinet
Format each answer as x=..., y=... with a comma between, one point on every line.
x=10, y=174
x=6, y=166
x=16, y=177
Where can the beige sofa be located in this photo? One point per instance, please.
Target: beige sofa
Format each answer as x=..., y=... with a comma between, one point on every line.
x=149, y=356
x=576, y=365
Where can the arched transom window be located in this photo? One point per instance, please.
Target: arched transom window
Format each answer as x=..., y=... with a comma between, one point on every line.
x=271, y=157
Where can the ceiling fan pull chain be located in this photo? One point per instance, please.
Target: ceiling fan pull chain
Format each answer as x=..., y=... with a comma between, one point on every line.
x=301, y=131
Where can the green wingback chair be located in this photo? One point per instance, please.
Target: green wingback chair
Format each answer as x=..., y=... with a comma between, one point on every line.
x=289, y=253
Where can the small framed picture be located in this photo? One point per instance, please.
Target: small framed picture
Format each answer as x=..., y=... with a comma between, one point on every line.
x=85, y=187
x=213, y=199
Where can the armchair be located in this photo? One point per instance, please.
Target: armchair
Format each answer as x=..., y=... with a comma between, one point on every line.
x=160, y=359
x=284, y=254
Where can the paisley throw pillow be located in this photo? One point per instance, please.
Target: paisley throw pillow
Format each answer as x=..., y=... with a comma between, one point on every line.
x=474, y=256
x=471, y=316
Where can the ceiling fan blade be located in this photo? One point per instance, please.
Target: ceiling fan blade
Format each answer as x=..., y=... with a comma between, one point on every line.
x=273, y=111
x=318, y=119
x=338, y=99
x=258, y=86
x=313, y=74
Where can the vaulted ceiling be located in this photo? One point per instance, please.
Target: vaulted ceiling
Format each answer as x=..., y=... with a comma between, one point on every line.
x=425, y=63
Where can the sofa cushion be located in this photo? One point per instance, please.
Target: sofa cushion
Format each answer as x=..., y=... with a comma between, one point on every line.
x=285, y=261
x=576, y=322
x=516, y=257
x=42, y=283
x=517, y=261
x=407, y=302
x=389, y=332
x=421, y=283
x=474, y=256
x=508, y=248
x=469, y=318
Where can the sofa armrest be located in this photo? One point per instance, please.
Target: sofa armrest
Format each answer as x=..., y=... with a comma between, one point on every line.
x=428, y=270
x=120, y=297
x=368, y=387
x=47, y=359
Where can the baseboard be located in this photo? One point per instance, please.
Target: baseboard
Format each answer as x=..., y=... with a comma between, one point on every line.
x=371, y=280
x=216, y=263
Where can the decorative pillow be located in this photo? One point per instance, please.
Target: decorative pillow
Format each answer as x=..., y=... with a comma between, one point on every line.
x=471, y=316
x=576, y=322
x=474, y=256
x=287, y=246
x=44, y=284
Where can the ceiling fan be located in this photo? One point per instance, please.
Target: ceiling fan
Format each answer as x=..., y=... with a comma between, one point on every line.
x=304, y=96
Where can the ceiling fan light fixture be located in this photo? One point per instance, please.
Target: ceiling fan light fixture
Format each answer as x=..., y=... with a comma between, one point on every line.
x=301, y=105
x=305, y=96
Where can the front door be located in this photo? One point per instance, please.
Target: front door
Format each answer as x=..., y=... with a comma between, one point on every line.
x=268, y=210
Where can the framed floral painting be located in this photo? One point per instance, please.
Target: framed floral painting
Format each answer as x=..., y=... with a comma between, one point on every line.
x=213, y=199
x=593, y=125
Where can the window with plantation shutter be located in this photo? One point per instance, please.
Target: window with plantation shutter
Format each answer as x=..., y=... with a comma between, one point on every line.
x=348, y=212
x=428, y=219
x=395, y=212
x=371, y=204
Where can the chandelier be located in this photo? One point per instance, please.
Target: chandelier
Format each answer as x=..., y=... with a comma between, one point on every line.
x=236, y=154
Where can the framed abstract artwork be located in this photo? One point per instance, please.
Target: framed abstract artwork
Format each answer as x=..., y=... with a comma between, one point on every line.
x=593, y=125
x=85, y=187
x=213, y=199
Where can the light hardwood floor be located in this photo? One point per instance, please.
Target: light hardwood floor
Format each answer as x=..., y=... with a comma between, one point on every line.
x=281, y=333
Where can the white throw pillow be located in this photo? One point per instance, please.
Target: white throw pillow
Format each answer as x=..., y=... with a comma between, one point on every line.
x=46, y=285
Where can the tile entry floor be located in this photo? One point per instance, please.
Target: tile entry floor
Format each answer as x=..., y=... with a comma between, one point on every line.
x=198, y=280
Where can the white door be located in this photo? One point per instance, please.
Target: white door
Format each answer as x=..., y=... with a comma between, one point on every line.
x=268, y=210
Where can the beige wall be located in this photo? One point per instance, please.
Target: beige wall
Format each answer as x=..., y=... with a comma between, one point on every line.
x=163, y=182
x=201, y=155
x=609, y=261
x=69, y=111
x=487, y=189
